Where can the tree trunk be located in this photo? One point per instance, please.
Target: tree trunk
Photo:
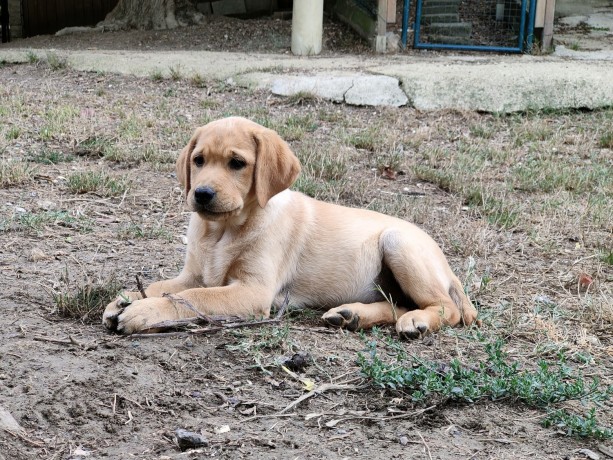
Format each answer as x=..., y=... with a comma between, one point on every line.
x=151, y=14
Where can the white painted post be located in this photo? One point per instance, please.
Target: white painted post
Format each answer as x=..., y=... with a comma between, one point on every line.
x=307, y=27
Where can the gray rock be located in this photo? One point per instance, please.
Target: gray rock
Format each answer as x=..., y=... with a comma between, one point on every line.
x=7, y=422
x=189, y=439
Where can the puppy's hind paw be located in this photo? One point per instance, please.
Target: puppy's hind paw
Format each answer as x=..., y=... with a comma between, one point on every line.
x=342, y=318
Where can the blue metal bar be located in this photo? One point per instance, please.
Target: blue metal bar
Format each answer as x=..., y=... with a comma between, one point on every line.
x=522, y=25
x=531, y=20
x=417, y=23
x=497, y=49
x=439, y=46
x=405, y=22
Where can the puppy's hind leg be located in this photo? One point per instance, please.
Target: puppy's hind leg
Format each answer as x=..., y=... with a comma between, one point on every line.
x=422, y=271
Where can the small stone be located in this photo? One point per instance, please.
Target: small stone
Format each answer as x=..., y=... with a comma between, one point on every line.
x=46, y=205
x=37, y=255
x=298, y=362
x=392, y=42
x=403, y=440
x=189, y=439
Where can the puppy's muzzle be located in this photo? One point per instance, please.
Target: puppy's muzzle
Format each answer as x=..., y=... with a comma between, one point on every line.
x=204, y=195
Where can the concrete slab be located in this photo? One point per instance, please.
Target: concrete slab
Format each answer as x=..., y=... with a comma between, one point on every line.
x=491, y=83
x=331, y=88
x=520, y=84
x=376, y=90
x=370, y=90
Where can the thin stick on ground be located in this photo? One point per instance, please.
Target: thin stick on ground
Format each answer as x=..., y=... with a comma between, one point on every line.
x=139, y=286
x=321, y=389
x=425, y=444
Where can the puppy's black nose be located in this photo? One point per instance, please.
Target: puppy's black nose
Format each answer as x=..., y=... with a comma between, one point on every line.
x=204, y=195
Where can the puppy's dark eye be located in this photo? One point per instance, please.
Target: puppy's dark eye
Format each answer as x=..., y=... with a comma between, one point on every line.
x=199, y=160
x=237, y=163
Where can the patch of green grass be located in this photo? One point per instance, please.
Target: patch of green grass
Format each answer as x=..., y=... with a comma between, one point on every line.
x=482, y=131
x=301, y=98
x=531, y=131
x=295, y=127
x=15, y=173
x=131, y=127
x=141, y=232
x=37, y=222
x=57, y=120
x=99, y=146
x=175, y=72
x=606, y=140
x=32, y=57
x=494, y=378
x=56, y=62
x=367, y=139
x=97, y=182
x=209, y=104
x=320, y=163
x=12, y=133
x=156, y=75
x=392, y=158
x=50, y=157
x=198, y=81
x=607, y=256
x=395, y=205
x=148, y=153
x=550, y=174
x=85, y=301
x=497, y=211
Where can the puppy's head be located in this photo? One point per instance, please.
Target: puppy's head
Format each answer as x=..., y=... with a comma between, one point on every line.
x=231, y=162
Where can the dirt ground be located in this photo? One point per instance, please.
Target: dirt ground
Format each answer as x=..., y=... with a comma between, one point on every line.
x=217, y=33
x=80, y=392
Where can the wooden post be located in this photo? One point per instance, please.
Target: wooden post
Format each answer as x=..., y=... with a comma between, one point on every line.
x=380, y=41
x=391, y=11
x=550, y=7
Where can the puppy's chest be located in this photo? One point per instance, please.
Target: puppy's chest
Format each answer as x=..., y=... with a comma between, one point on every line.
x=219, y=260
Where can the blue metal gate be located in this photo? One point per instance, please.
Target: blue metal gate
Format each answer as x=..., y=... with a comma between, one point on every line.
x=474, y=25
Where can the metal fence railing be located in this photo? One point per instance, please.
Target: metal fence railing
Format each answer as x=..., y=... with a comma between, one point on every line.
x=474, y=25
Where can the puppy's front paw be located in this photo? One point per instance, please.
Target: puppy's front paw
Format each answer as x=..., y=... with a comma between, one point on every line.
x=142, y=315
x=112, y=311
x=116, y=307
x=343, y=318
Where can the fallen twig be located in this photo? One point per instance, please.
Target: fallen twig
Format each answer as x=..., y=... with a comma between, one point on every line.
x=321, y=389
x=70, y=341
x=175, y=299
x=218, y=323
x=425, y=444
x=139, y=286
x=23, y=437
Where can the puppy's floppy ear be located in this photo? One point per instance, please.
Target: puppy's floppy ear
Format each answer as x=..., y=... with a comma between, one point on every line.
x=184, y=162
x=276, y=166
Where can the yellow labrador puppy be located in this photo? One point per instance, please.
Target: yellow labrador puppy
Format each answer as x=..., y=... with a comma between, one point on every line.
x=251, y=240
